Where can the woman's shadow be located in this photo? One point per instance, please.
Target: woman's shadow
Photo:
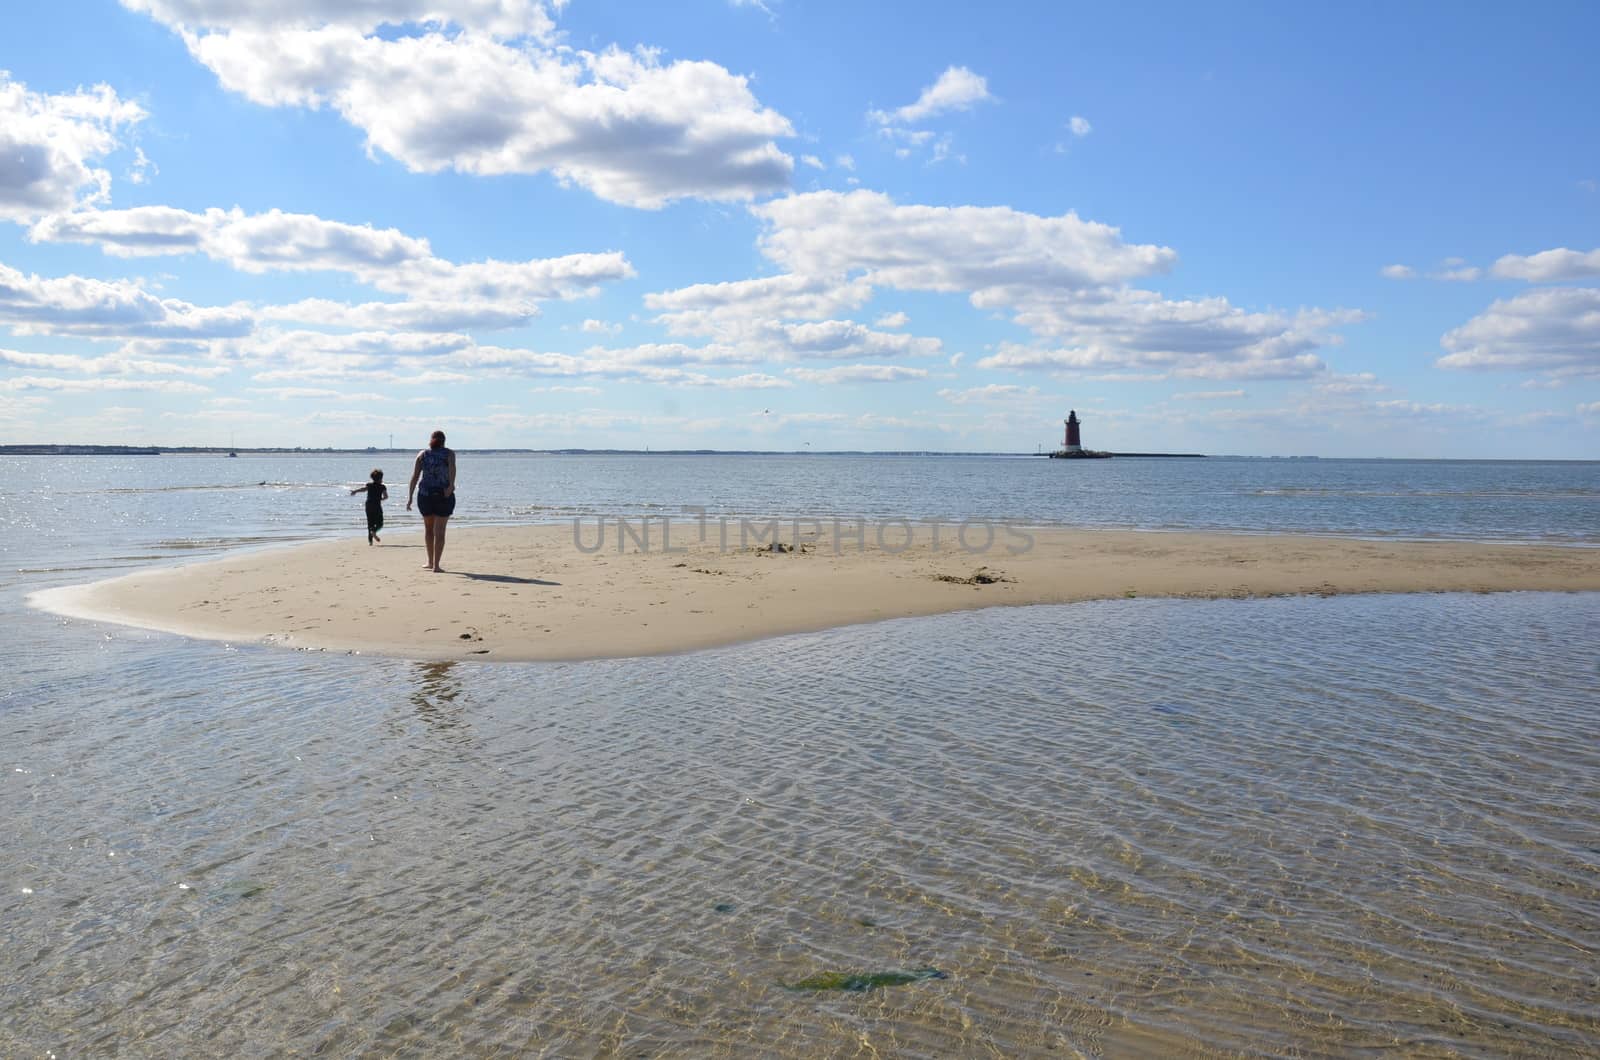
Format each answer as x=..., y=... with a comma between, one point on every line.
x=505, y=579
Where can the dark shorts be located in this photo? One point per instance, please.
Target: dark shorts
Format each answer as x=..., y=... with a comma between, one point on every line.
x=374, y=518
x=436, y=504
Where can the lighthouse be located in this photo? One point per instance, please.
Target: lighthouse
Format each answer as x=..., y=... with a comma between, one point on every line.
x=1073, y=443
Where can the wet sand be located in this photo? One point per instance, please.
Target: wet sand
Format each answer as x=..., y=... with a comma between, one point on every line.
x=552, y=593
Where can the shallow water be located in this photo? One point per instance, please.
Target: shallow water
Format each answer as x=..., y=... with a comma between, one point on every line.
x=55, y=510
x=1324, y=827
x=1176, y=826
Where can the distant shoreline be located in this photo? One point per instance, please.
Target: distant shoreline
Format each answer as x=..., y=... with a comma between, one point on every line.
x=216, y=450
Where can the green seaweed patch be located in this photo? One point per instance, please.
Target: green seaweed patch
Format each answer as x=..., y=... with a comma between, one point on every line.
x=861, y=982
x=981, y=576
x=723, y=907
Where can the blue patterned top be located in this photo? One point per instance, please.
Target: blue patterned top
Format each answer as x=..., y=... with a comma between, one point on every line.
x=435, y=471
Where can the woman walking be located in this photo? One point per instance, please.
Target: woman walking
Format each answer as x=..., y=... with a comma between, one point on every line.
x=436, y=499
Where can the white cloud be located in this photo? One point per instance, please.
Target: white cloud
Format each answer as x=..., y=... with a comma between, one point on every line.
x=958, y=88
x=507, y=18
x=1079, y=126
x=1209, y=395
x=858, y=373
x=1398, y=272
x=407, y=315
x=719, y=308
x=600, y=327
x=776, y=318
x=1062, y=278
x=76, y=305
x=295, y=393
x=49, y=144
x=1461, y=274
x=387, y=259
x=1592, y=408
x=565, y=390
x=1549, y=265
x=943, y=248
x=1122, y=329
x=99, y=384
x=813, y=161
x=845, y=162
x=1354, y=383
x=109, y=364
x=1554, y=330
x=499, y=97
x=250, y=243
x=892, y=320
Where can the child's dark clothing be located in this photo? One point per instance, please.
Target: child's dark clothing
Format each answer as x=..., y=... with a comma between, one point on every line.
x=375, y=495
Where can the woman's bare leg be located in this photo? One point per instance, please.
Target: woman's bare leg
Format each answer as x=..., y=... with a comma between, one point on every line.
x=427, y=538
x=438, y=539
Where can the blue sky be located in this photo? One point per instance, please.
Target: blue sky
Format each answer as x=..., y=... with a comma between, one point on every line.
x=1369, y=231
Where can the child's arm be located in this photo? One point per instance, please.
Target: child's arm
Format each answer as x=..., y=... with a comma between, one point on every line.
x=358, y=489
x=385, y=493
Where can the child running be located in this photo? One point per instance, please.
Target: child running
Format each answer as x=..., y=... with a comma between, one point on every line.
x=376, y=493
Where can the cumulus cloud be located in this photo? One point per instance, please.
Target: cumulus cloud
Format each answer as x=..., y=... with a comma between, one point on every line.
x=1398, y=272
x=49, y=146
x=1353, y=383
x=248, y=242
x=600, y=327
x=479, y=87
x=101, y=384
x=1062, y=278
x=386, y=259
x=946, y=248
x=1549, y=265
x=721, y=308
x=1079, y=126
x=1122, y=329
x=958, y=88
x=776, y=318
x=892, y=320
x=119, y=363
x=1555, y=331
x=407, y=315
x=508, y=18
x=76, y=305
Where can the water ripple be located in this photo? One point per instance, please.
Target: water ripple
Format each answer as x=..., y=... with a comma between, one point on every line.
x=1136, y=826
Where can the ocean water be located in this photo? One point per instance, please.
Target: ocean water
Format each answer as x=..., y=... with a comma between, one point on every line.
x=1145, y=827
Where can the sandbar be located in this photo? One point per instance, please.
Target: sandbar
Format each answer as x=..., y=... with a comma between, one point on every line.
x=565, y=592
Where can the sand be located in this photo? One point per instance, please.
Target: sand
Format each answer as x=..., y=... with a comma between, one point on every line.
x=536, y=593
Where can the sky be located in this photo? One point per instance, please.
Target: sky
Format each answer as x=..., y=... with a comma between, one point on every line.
x=1338, y=230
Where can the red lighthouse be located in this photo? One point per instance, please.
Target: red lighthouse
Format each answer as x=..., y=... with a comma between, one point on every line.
x=1073, y=443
